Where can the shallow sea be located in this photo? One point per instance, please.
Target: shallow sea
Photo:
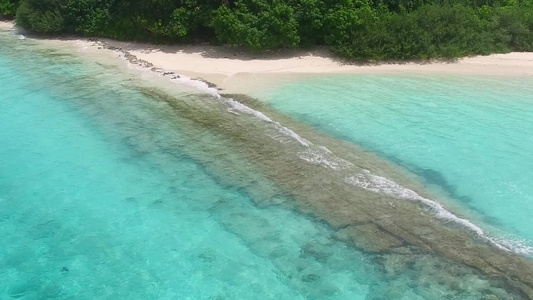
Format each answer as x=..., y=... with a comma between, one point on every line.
x=108, y=192
x=467, y=137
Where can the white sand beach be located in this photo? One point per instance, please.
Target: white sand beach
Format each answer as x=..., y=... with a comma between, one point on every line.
x=6, y=24
x=237, y=71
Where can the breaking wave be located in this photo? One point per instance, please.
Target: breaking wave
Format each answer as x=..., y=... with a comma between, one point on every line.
x=379, y=184
x=322, y=156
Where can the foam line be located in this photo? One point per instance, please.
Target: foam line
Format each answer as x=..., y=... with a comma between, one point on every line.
x=212, y=91
x=324, y=157
x=379, y=184
x=235, y=105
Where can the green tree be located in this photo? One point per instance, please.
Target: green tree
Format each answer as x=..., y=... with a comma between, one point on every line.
x=8, y=8
x=42, y=16
x=257, y=24
x=355, y=29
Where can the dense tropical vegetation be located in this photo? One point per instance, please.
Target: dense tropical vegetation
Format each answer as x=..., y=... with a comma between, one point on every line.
x=356, y=29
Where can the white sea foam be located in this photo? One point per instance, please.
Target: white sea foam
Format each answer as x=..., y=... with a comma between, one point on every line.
x=518, y=245
x=197, y=84
x=237, y=106
x=324, y=157
x=234, y=106
x=179, y=79
x=379, y=184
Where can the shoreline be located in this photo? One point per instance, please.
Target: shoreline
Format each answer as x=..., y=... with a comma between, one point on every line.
x=249, y=82
x=236, y=71
x=387, y=223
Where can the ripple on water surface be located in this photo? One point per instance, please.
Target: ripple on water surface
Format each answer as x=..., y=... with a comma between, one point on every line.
x=468, y=138
x=106, y=192
x=99, y=201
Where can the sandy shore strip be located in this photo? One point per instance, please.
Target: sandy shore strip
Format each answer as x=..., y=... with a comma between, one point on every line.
x=6, y=24
x=236, y=71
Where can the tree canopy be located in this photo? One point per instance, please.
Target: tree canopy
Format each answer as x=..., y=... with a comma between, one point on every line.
x=354, y=29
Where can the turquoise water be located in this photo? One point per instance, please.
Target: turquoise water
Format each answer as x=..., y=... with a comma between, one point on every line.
x=100, y=200
x=469, y=138
x=109, y=191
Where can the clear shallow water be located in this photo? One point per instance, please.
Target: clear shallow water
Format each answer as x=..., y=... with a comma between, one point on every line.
x=99, y=201
x=109, y=193
x=468, y=138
